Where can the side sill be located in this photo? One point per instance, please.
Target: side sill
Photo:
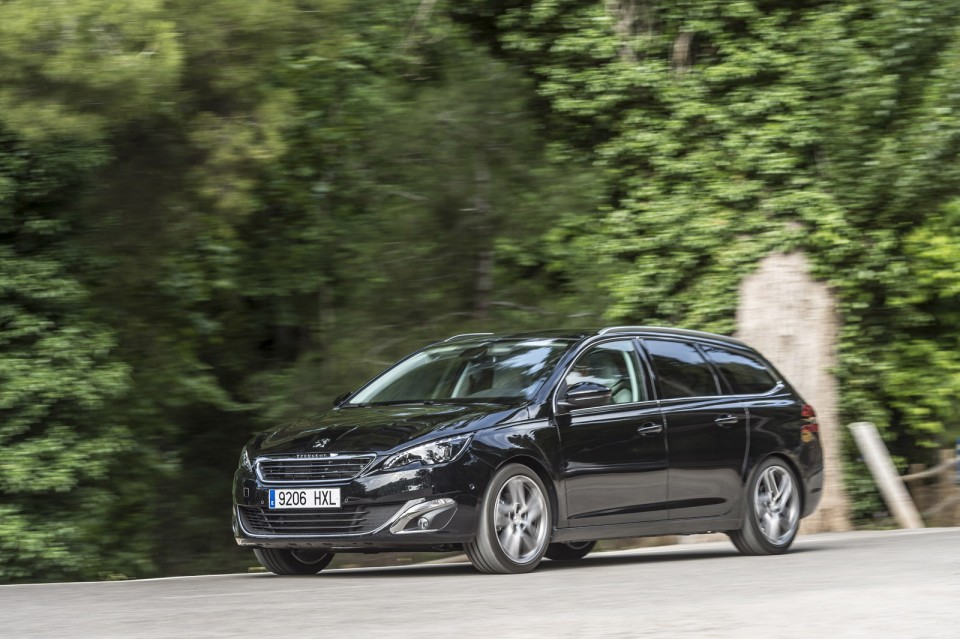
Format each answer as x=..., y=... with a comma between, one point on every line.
x=646, y=529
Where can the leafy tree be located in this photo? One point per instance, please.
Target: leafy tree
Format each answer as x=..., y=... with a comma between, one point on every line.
x=218, y=205
x=216, y=216
x=59, y=372
x=728, y=130
x=411, y=205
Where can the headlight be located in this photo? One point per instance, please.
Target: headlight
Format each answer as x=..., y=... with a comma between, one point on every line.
x=245, y=460
x=436, y=452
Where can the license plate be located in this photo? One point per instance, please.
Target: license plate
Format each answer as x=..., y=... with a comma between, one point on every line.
x=304, y=498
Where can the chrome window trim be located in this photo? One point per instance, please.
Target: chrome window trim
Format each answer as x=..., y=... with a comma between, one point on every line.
x=614, y=408
x=694, y=338
x=780, y=386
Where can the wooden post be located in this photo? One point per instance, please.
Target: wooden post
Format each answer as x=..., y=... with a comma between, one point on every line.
x=918, y=491
x=945, y=485
x=885, y=474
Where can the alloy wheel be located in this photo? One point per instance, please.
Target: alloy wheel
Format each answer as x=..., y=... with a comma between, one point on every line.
x=777, y=505
x=520, y=523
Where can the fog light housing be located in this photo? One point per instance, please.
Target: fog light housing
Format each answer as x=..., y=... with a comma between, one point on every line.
x=425, y=516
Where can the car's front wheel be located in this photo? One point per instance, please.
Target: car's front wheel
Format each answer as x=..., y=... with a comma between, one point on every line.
x=772, y=510
x=514, y=525
x=293, y=562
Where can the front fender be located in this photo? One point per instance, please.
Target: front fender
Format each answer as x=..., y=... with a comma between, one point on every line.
x=535, y=443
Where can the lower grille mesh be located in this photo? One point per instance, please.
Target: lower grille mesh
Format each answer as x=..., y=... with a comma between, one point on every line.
x=309, y=522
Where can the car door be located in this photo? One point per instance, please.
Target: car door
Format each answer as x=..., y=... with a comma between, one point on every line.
x=706, y=432
x=614, y=456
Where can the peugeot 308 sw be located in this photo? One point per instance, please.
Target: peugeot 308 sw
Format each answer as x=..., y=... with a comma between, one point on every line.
x=518, y=447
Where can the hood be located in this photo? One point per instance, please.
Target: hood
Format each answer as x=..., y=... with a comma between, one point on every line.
x=379, y=428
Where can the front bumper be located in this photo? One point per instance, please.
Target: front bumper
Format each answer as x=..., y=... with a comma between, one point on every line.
x=418, y=508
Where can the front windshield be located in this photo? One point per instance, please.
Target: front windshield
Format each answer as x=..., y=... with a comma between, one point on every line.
x=468, y=370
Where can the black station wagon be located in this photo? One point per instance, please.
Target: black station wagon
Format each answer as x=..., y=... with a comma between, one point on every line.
x=518, y=447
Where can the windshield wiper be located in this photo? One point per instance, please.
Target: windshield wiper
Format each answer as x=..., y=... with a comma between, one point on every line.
x=456, y=401
x=401, y=402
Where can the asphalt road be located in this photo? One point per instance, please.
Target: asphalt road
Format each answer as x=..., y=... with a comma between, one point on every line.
x=880, y=584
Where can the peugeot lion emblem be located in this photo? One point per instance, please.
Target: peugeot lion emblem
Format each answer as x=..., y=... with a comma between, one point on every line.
x=321, y=443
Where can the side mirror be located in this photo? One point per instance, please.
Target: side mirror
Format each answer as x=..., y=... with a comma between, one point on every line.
x=586, y=395
x=342, y=398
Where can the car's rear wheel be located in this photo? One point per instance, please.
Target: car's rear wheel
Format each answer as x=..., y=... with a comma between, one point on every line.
x=293, y=562
x=514, y=525
x=569, y=551
x=771, y=515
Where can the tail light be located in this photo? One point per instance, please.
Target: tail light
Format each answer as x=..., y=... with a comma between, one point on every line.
x=810, y=426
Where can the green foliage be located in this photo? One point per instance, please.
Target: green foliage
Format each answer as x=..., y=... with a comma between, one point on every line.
x=728, y=130
x=58, y=372
x=417, y=172
x=77, y=68
x=208, y=212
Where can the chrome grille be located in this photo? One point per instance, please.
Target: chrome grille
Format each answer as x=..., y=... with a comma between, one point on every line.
x=311, y=469
x=346, y=521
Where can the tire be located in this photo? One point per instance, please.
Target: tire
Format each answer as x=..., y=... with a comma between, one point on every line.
x=569, y=551
x=771, y=515
x=515, y=523
x=281, y=561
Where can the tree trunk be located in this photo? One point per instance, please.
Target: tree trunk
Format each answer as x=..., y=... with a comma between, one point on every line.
x=792, y=320
x=484, y=258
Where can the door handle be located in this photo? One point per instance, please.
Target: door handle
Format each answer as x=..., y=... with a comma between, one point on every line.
x=650, y=428
x=726, y=421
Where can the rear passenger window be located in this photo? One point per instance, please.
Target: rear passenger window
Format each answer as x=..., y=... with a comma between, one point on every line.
x=681, y=370
x=744, y=374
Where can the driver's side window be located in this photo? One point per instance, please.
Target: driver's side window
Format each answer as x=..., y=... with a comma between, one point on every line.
x=614, y=365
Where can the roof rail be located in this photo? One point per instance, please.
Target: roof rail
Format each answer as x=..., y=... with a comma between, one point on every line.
x=626, y=329
x=464, y=335
x=675, y=331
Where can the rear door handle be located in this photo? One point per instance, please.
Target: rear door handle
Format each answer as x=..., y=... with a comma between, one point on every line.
x=726, y=420
x=650, y=428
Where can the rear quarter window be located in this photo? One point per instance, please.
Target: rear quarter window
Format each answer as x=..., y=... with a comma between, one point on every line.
x=745, y=375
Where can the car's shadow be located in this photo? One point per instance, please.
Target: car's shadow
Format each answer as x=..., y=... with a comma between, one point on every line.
x=666, y=556
x=682, y=553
